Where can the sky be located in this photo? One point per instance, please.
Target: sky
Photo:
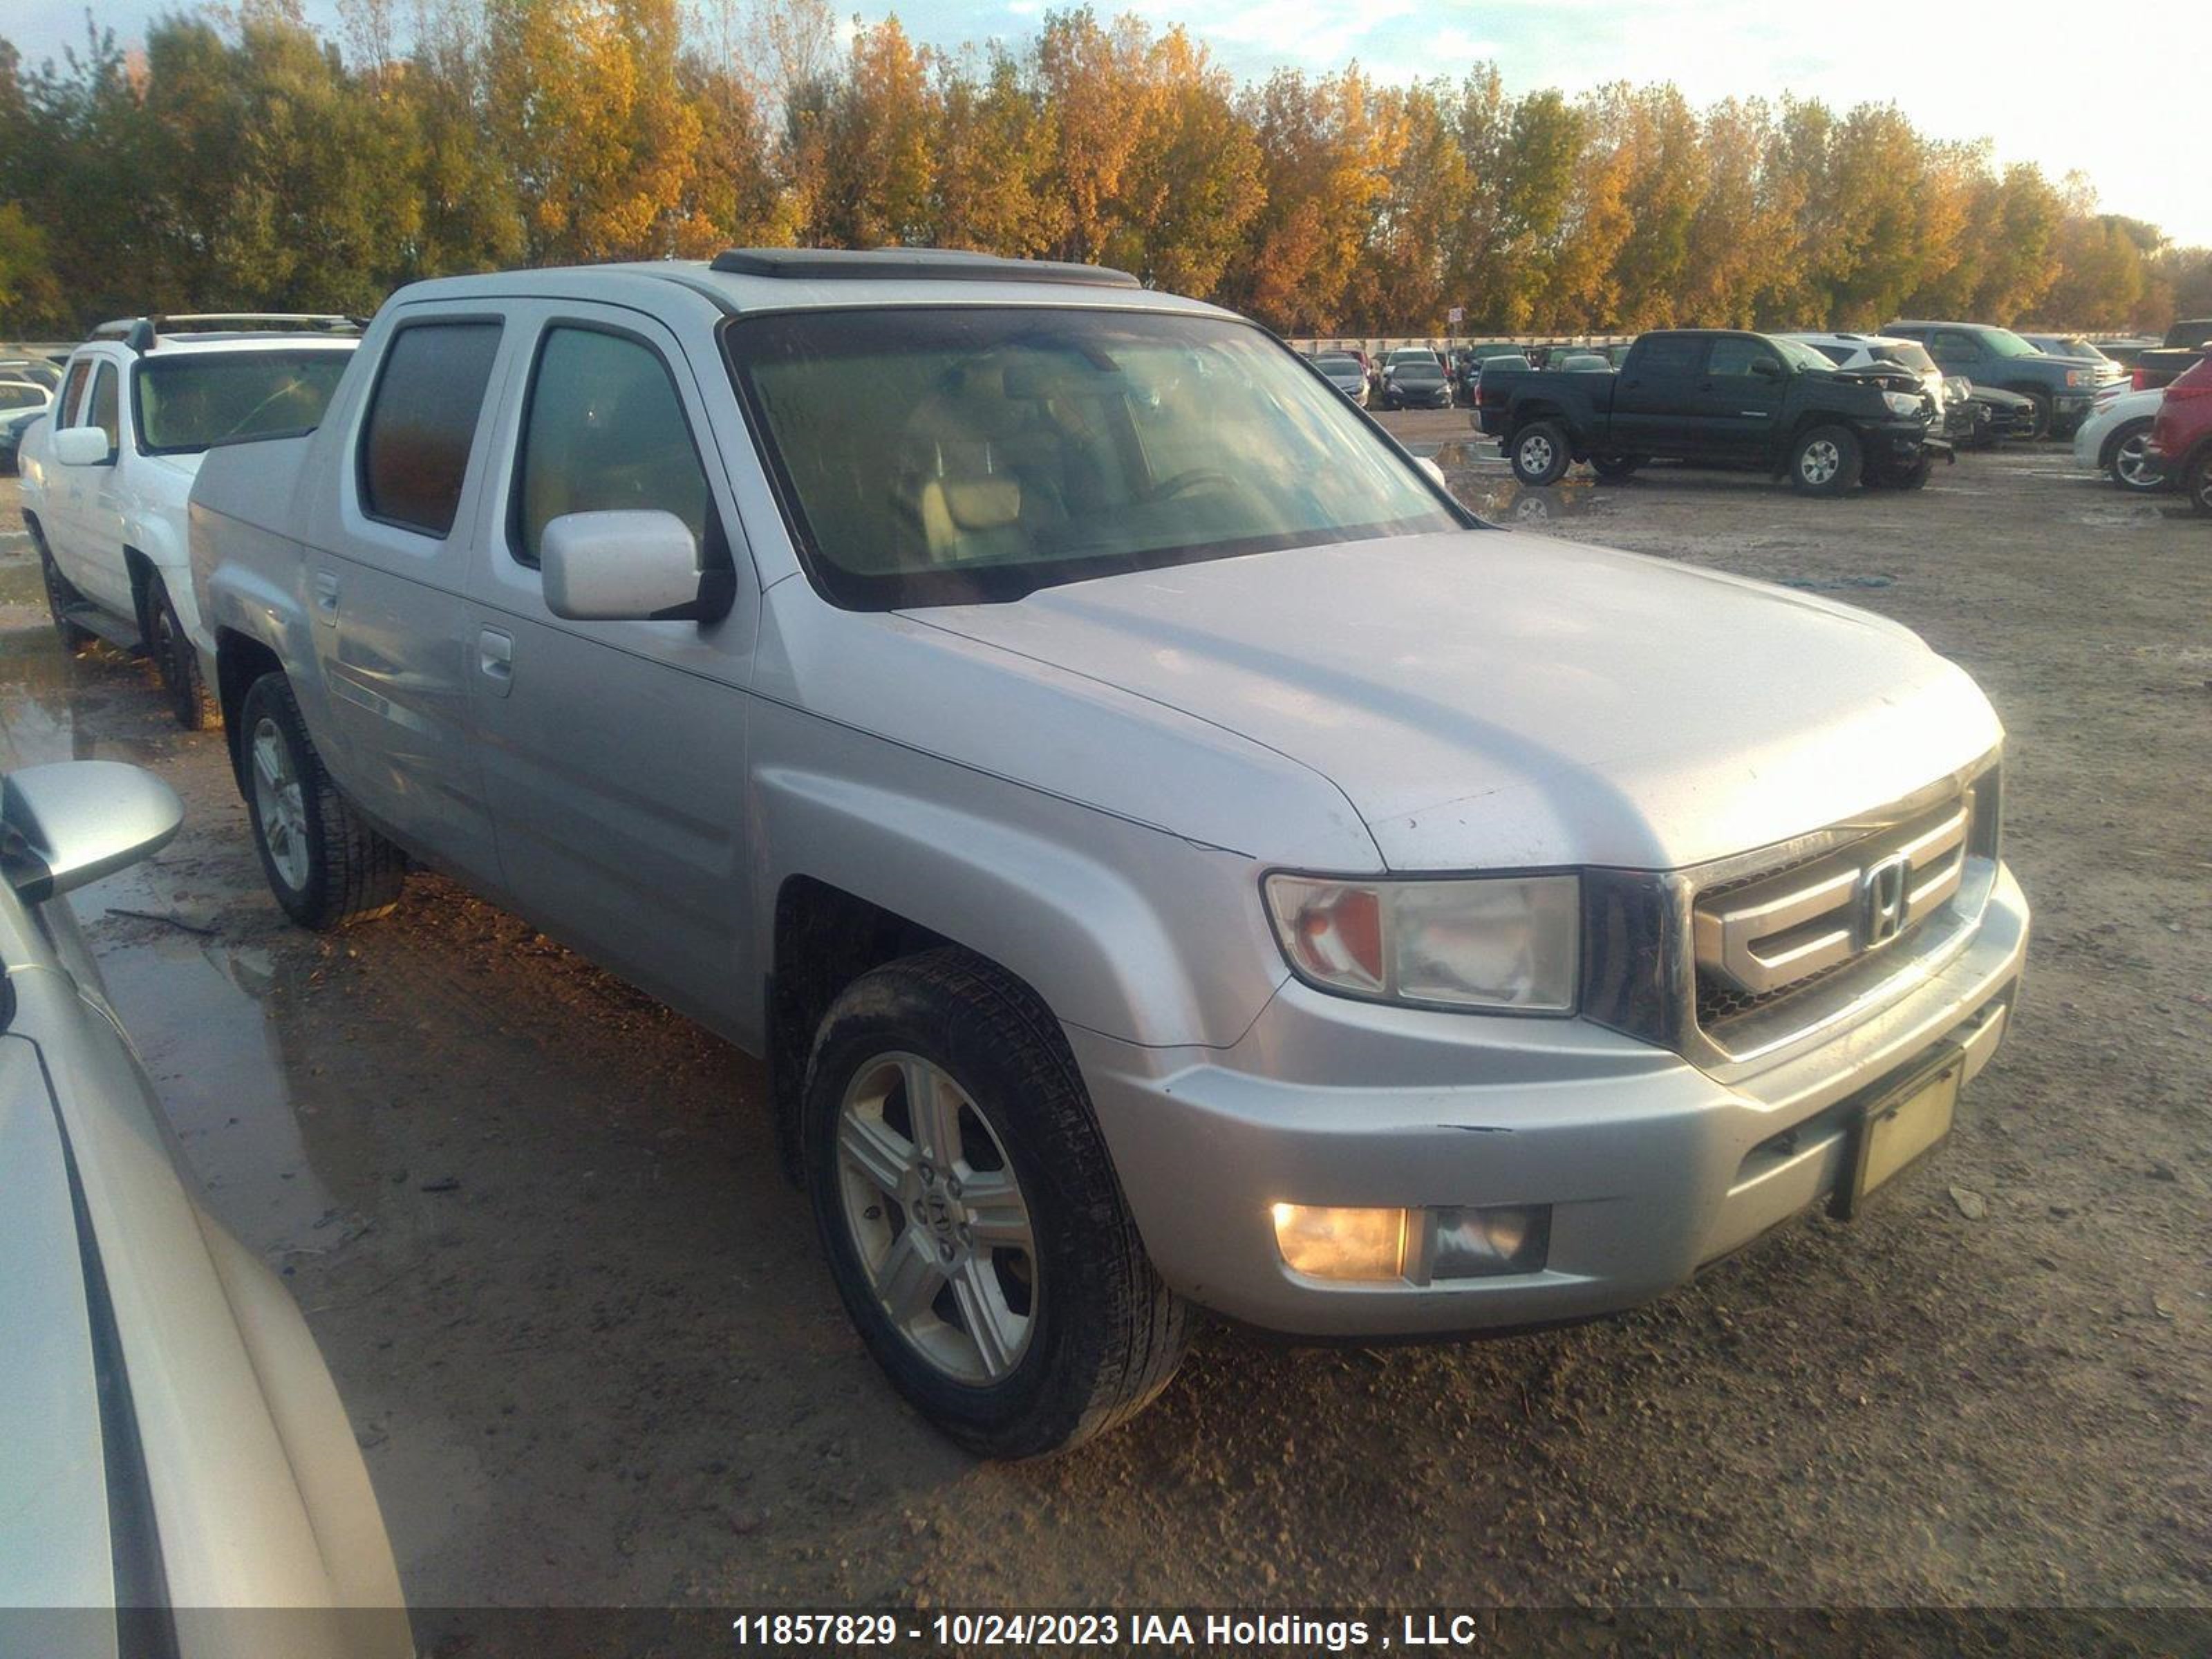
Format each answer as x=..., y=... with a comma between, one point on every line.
x=2042, y=82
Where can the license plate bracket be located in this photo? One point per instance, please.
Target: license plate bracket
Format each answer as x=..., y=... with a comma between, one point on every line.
x=1897, y=1126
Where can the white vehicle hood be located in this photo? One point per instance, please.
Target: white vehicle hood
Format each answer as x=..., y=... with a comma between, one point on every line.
x=1489, y=699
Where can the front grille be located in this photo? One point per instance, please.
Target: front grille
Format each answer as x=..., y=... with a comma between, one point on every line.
x=1843, y=916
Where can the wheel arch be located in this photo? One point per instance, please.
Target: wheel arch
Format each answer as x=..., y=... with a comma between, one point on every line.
x=2118, y=435
x=239, y=659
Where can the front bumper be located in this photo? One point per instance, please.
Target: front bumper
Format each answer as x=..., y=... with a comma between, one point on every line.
x=1651, y=1167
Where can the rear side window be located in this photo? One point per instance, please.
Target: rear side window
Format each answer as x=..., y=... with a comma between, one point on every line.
x=105, y=411
x=1670, y=354
x=604, y=431
x=422, y=421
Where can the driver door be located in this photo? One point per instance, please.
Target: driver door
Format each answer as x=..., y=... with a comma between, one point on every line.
x=1740, y=397
x=615, y=753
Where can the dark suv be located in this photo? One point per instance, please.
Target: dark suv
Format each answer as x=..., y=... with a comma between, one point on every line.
x=2061, y=389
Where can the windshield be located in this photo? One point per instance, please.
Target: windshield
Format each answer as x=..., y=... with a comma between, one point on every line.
x=2003, y=343
x=20, y=394
x=1029, y=446
x=1798, y=355
x=1907, y=353
x=1418, y=369
x=187, y=403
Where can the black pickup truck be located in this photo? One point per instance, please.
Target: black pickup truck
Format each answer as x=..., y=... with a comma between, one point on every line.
x=1722, y=396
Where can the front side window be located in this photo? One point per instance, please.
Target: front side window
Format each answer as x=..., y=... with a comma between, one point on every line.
x=72, y=389
x=604, y=431
x=1733, y=355
x=958, y=455
x=186, y=402
x=105, y=411
x=423, y=423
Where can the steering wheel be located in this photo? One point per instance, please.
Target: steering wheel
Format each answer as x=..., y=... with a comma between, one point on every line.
x=1197, y=479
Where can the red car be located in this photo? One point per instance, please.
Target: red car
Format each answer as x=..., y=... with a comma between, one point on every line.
x=2181, y=443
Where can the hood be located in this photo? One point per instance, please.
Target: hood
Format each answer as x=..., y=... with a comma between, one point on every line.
x=1998, y=398
x=1491, y=699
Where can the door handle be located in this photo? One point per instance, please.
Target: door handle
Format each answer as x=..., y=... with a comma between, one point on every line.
x=495, y=659
x=325, y=587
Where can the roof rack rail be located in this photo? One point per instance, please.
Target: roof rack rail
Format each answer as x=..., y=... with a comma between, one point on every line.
x=905, y=263
x=143, y=334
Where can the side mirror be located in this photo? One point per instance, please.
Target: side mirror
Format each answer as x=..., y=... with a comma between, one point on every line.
x=83, y=446
x=1765, y=368
x=1436, y=473
x=629, y=567
x=73, y=822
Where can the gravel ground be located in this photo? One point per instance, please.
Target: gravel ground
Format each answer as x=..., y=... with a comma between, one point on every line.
x=584, y=1337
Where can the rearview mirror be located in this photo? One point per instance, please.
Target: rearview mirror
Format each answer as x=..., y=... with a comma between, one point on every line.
x=83, y=446
x=72, y=822
x=630, y=566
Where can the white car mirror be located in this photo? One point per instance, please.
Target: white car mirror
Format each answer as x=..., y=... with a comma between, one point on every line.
x=72, y=822
x=629, y=567
x=83, y=446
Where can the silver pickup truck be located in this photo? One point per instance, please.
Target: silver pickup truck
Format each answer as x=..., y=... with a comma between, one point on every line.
x=1170, y=855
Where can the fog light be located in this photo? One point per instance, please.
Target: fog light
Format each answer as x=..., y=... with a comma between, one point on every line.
x=1327, y=1243
x=1489, y=1241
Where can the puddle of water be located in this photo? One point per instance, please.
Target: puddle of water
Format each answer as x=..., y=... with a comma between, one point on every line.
x=1507, y=500
x=96, y=706
x=203, y=1014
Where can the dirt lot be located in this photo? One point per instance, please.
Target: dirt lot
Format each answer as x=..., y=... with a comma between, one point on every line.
x=587, y=1344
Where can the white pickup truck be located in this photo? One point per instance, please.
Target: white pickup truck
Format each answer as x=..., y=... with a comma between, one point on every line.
x=107, y=473
x=1171, y=855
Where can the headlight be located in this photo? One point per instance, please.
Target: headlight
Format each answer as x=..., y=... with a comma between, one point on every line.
x=1903, y=403
x=1504, y=942
x=2076, y=377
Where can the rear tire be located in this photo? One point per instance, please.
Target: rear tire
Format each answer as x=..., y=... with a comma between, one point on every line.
x=2128, y=462
x=1540, y=456
x=177, y=660
x=1826, y=461
x=325, y=864
x=981, y=1243
x=2199, y=480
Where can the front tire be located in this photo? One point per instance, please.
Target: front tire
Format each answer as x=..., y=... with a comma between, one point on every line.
x=1540, y=456
x=177, y=658
x=325, y=864
x=971, y=1213
x=2038, y=417
x=1614, y=469
x=1826, y=461
x=2128, y=462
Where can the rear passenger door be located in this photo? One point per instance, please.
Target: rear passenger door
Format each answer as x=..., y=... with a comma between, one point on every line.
x=1654, y=399
x=386, y=572
x=1740, y=397
x=614, y=752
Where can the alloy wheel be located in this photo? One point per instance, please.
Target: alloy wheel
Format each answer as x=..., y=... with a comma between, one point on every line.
x=2132, y=462
x=1536, y=452
x=280, y=806
x=937, y=1218
x=1820, y=462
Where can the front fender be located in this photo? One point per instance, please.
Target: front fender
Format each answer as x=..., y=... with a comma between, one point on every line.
x=1121, y=929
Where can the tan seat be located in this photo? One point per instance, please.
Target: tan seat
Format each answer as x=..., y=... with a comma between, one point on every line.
x=974, y=517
